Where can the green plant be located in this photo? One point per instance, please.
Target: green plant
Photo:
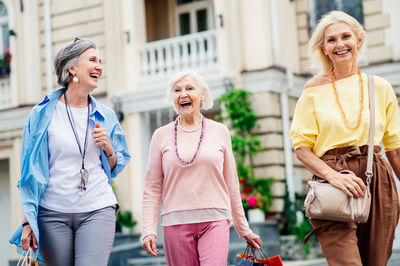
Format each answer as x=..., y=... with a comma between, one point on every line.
x=294, y=221
x=125, y=219
x=241, y=120
x=5, y=58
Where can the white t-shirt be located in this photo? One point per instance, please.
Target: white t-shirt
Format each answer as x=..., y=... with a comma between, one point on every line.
x=65, y=161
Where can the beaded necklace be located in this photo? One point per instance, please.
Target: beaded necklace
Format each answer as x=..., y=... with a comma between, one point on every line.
x=182, y=162
x=346, y=122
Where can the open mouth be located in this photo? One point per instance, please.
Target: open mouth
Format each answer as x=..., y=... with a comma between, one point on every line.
x=95, y=76
x=342, y=52
x=185, y=104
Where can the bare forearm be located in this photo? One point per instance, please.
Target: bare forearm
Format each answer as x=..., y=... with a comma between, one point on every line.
x=394, y=160
x=314, y=164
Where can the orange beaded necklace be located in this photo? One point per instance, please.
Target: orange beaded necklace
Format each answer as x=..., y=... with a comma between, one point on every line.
x=346, y=122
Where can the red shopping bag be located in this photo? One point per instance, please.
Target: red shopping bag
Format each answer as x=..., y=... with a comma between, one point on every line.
x=257, y=257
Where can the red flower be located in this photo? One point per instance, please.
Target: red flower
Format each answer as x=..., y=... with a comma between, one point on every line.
x=252, y=201
x=247, y=189
x=243, y=181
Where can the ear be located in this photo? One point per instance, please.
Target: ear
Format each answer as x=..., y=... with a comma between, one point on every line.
x=324, y=51
x=72, y=70
x=359, y=43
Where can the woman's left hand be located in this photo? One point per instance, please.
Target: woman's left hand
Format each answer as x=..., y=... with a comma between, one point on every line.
x=253, y=241
x=102, y=140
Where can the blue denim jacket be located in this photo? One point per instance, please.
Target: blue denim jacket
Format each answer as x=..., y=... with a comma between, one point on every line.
x=35, y=155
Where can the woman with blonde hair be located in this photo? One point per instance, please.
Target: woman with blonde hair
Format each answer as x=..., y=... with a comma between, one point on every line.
x=330, y=132
x=191, y=171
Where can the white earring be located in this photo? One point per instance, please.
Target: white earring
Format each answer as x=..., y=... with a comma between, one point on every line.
x=75, y=79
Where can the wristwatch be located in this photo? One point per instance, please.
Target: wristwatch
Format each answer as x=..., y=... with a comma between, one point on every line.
x=111, y=156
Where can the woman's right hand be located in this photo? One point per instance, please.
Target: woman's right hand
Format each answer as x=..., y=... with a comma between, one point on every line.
x=149, y=245
x=27, y=238
x=348, y=183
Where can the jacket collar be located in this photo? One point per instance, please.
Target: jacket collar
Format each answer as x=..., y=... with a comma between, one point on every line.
x=97, y=109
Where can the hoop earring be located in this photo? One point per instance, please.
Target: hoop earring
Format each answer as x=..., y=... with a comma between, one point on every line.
x=75, y=79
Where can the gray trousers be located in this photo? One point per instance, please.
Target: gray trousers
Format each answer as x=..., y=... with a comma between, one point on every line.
x=84, y=239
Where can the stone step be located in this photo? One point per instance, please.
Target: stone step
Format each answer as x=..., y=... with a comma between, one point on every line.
x=147, y=261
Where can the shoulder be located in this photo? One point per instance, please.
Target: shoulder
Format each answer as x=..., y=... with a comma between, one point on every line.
x=217, y=128
x=381, y=82
x=318, y=80
x=216, y=125
x=105, y=109
x=164, y=130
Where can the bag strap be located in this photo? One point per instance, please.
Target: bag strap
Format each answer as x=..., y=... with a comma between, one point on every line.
x=369, y=172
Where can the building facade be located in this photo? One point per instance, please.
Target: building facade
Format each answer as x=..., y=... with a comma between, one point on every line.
x=258, y=45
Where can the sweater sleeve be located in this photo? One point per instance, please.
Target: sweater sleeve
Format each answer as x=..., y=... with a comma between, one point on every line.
x=232, y=181
x=152, y=191
x=391, y=136
x=304, y=129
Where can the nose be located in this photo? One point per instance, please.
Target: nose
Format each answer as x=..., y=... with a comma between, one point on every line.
x=340, y=42
x=184, y=93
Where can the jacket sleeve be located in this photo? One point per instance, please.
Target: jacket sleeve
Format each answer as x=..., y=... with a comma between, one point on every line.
x=118, y=142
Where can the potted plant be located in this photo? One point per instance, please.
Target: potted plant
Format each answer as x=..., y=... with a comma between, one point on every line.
x=241, y=119
x=125, y=221
x=5, y=60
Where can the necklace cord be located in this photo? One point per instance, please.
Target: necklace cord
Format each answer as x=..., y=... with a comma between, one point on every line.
x=72, y=123
x=187, y=163
x=346, y=122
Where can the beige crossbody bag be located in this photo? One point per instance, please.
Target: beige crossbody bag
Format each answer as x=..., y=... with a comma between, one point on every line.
x=327, y=202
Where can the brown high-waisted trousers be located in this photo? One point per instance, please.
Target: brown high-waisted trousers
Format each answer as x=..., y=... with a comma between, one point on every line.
x=361, y=244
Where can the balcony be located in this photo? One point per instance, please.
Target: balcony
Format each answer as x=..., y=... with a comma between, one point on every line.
x=161, y=59
x=6, y=99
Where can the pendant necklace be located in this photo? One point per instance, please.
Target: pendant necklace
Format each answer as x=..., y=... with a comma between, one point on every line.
x=346, y=122
x=83, y=171
x=182, y=162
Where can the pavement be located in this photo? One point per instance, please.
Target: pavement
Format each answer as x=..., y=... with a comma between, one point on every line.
x=394, y=261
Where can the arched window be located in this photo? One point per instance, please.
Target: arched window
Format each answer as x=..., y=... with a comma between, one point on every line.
x=5, y=56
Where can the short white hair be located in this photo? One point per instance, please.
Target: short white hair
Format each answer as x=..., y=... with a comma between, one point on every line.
x=208, y=100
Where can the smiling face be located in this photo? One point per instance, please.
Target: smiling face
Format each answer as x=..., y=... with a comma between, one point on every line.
x=341, y=44
x=188, y=96
x=89, y=69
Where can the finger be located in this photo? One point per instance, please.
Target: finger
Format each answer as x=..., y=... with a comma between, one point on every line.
x=97, y=125
x=361, y=183
x=358, y=189
x=353, y=190
x=154, y=249
x=35, y=244
x=346, y=190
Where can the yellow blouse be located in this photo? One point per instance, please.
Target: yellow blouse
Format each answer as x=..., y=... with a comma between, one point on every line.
x=319, y=125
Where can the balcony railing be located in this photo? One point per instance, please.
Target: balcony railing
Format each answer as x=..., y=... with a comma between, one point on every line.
x=195, y=51
x=5, y=94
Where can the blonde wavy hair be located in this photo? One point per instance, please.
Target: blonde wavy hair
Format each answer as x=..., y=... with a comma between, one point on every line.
x=316, y=42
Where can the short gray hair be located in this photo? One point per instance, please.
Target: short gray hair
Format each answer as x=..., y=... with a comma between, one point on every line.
x=208, y=100
x=67, y=57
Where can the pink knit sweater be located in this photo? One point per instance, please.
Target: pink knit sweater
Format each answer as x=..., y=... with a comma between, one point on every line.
x=211, y=182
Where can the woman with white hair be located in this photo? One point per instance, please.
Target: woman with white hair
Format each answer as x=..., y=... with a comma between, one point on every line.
x=72, y=146
x=191, y=171
x=330, y=133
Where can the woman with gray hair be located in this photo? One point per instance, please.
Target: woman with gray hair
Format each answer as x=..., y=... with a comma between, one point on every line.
x=191, y=171
x=72, y=146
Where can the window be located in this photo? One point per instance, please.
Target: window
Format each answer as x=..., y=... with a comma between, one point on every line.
x=320, y=7
x=194, y=16
x=5, y=56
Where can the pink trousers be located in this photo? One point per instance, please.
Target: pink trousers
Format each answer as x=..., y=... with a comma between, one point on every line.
x=197, y=244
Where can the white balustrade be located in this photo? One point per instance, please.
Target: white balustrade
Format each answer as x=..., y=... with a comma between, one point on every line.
x=195, y=51
x=5, y=93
